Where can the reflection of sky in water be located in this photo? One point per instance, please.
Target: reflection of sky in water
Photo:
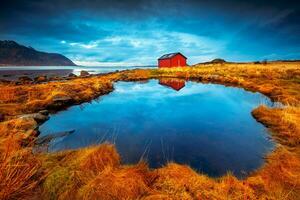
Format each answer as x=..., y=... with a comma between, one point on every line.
x=207, y=126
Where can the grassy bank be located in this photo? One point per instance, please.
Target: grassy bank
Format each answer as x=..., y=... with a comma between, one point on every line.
x=97, y=173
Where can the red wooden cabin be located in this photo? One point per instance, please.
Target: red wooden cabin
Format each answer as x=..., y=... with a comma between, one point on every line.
x=172, y=60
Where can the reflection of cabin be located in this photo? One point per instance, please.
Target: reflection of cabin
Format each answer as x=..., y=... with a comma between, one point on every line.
x=176, y=84
x=172, y=60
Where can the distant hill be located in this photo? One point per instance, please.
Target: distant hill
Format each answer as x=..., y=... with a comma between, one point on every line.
x=218, y=60
x=214, y=61
x=222, y=61
x=12, y=53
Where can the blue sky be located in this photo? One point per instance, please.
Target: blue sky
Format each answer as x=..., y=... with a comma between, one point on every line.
x=133, y=32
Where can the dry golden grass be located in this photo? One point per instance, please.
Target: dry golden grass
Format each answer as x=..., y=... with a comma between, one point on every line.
x=28, y=98
x=18, y=170
x=96, y=172
x=120, y=183
x=22, y=129
x=279, y=81
x=93, y=173
x=284, y=123
x=282, y=170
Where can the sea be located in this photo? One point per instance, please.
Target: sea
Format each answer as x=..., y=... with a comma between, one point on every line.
x=14, y=72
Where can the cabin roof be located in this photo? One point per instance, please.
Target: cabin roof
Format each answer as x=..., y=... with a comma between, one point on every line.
x=170, y=55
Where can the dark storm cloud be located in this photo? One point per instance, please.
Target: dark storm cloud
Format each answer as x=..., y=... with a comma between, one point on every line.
x=237, y=30
x=140, y=8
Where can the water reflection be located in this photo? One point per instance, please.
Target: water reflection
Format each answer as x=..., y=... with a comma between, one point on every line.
x=176, y=84
x=206, y=126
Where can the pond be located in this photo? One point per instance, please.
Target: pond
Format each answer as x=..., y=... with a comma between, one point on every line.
x=206, y=126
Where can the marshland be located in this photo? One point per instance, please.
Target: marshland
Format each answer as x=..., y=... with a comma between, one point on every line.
x=98, y=170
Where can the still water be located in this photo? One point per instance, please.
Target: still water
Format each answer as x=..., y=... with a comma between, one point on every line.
x=206, y=126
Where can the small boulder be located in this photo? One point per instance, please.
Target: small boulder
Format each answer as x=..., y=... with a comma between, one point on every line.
x=61, y=98
x=54, y=78
x=84, y=73
x=214, y=76
x=61, y=101
x=38, y=117
x=3, y=81
x=24, y=79
x=48, y=138
x=71, y=75
x=44, y=112
x=1, y=117
x=40, y=79
x=7, y=75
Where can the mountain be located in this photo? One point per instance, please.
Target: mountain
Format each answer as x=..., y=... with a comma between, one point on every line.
x=12, y=53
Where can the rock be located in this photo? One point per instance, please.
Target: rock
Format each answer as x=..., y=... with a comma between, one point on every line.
x=38, y=117
x=214, y=76
x=54, y=78
x=40, y=79
x=60, y=101
x=1, y=117
x=62, y=98
x=84, y=73
x=47, y=138
x=3, y=81
x=24, y=79
x=72, y=75
x=44, y=112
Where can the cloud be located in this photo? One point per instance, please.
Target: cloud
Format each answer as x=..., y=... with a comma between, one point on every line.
x=107, y=64
x=139, y=31
x=145, y=48
x=90, y=45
